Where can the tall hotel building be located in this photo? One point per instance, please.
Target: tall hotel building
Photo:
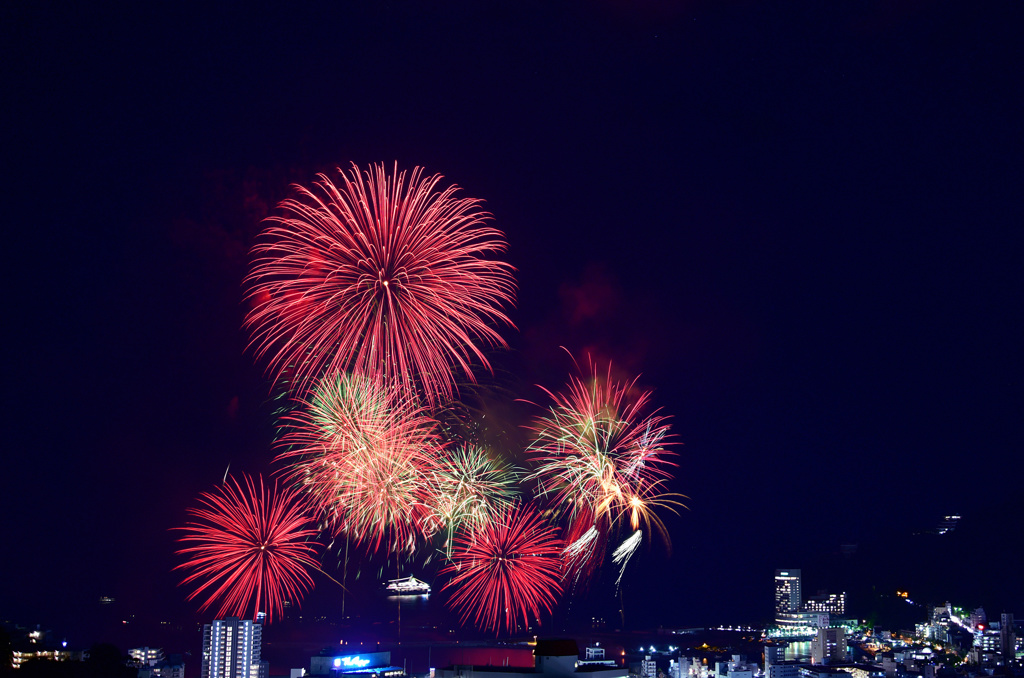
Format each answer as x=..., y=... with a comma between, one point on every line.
x=787, y=592
x=231, y=649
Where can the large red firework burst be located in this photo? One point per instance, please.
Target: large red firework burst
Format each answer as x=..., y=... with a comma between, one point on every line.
x=248, y=549
x=380, y=273
x=507, y=571
x=365, y=452
x=601, y=462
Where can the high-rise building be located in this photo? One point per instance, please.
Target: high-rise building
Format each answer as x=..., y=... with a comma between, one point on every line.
x=774, y=653
x=829, y=646
x=787, y=592
x=231, y=649
x=1007, y=638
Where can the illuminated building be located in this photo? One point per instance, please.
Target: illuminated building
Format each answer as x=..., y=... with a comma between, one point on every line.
x=819, y=671
x=595, y=659
x=995, y=643
x=231, y=649
x=988, y=639
x=368, y=664
x=737, y=667
x=847, y=671
x=20, y=656
x=832, y=603
x=147, y=656
x=696, y=668
x=795, y=616
x=774, y=654
x=864, y=670
x=800, y=623
x=39, y=644
x=787, y=592
x=829, y=646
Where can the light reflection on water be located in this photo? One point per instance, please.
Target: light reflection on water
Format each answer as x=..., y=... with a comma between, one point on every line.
x=420, y=602
x=800, y=650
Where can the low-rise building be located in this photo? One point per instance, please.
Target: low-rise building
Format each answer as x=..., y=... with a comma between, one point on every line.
x=553, y=658
x=363, y=665
x=736, y=667
x=147, y=656
x=784, y=669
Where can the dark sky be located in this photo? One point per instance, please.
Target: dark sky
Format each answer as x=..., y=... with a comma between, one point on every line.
x=800, y=224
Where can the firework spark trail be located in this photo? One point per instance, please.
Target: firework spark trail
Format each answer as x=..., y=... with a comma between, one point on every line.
x=600, y=459
x=248, y=549
x=624, y=552
x=468, y=488
x=380, y=273
x=583, y=546
x=580, y=556
x=595, y=444
x=365, y=453
x=504, y=574
x=641, y=505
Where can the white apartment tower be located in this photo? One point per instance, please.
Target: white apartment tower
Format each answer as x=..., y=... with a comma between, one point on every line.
x=231, y=649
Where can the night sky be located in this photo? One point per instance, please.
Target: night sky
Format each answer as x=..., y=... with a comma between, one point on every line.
x=801, y=225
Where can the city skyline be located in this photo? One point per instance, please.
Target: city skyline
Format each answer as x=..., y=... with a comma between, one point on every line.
x=803, y=239
x=952, y=638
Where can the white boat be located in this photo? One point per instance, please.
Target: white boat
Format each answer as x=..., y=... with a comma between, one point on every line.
x=409, y=586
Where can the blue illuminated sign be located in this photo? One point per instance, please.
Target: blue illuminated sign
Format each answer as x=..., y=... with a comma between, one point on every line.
x=359, y=662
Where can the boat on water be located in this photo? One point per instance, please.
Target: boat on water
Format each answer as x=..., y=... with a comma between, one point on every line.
x=408, y=586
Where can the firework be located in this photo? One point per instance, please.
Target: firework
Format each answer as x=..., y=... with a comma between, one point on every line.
x=583, y=542
x=248, y=549
x=642, y=502
x=381, y=273
x=601, y=462
x=365, y=452
x=505, y=573
x=624, y=552
x=468, y=488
